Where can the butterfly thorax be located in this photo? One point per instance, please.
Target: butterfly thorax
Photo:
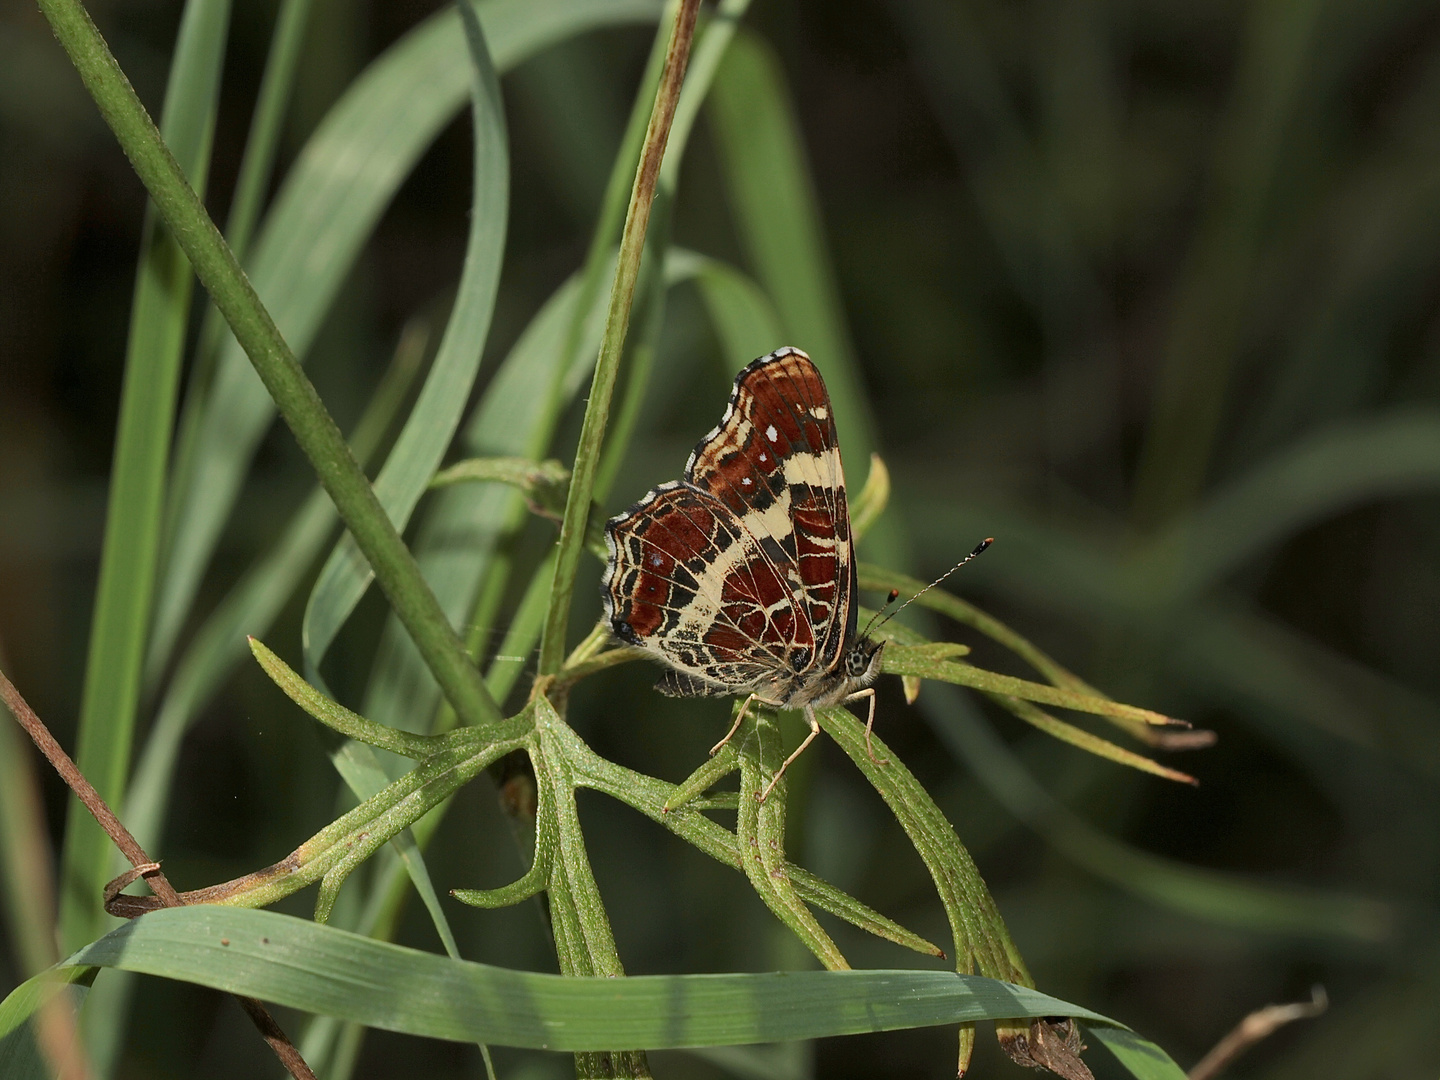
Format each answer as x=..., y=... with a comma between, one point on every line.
x=859, y=667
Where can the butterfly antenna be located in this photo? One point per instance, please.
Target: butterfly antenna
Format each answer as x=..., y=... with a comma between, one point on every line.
x=894, y=595
x=979, y=548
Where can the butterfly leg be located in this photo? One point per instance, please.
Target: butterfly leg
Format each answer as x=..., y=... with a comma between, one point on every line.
x=735, y=726
x=814, y=730
x=868, y=692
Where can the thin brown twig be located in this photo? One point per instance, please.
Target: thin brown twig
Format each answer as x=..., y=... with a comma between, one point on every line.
x=270, y=1031
x=29, y=876
x=1260, y=1024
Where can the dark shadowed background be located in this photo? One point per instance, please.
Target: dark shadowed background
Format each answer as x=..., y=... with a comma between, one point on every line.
x=1147, y=291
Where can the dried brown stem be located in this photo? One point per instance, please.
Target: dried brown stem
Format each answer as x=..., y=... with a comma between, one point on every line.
x=145, y=866
x=1260, y=1024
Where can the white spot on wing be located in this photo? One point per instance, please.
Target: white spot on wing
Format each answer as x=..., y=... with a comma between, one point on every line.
x=771, y=433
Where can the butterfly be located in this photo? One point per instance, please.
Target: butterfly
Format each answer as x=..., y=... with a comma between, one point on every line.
x=740, y=578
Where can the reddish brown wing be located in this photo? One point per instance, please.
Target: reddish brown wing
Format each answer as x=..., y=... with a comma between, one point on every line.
x=774, y=462
x=686, y=581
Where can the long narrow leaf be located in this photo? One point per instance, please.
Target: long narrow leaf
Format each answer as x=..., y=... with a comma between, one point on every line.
x=249, y=608
x=436, y=414
x=159, y=316
x=251, y=187
x=772, y=199
x=516, y=417
x=327, y=208
x=333, y=972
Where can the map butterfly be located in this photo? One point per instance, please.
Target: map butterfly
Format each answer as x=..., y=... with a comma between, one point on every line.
x=740, y=578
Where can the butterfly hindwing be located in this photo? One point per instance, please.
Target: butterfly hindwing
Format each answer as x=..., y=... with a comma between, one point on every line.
x=687, y=582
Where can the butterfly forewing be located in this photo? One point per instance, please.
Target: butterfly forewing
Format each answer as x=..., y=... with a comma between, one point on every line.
x=774, y=461
x=740, y=577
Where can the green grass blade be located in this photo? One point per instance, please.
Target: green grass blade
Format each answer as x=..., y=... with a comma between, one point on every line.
x=1141, y=1057
x=516, y=417
x=432, y=422
x=772, y=198
x=158, y=319
x=251, y=185
x=333, y=972
x=20, y=1055
x=744, y=319
x=325, y=211
x=249, y=608
x=773, y=203
x=263, y=140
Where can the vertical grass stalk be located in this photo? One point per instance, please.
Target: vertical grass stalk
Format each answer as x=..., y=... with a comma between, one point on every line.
x=617, y=322
x=124, y=594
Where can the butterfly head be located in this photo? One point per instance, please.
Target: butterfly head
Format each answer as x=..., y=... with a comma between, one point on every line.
x=862, y=662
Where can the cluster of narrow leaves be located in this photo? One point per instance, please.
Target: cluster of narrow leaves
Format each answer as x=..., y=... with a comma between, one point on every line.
x=175, y=500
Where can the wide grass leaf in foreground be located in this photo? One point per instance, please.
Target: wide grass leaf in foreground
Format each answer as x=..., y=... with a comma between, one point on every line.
x=320, y=969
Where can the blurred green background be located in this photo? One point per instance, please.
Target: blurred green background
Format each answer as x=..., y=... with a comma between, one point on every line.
x=1147, y=291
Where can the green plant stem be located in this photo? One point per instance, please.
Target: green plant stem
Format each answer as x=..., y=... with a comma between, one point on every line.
x=760, y=830
x=617, y=322
x=334, y=852
x=395, y=568
x=982, y=941
x=584, y=942
x=611, y=218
